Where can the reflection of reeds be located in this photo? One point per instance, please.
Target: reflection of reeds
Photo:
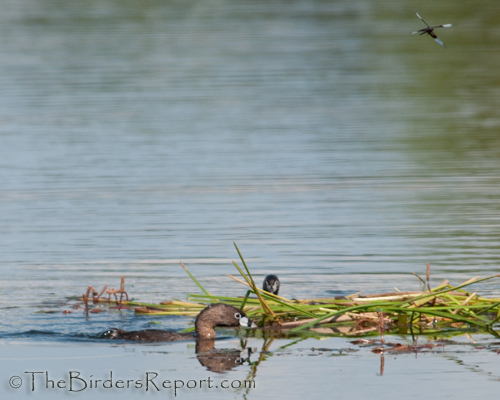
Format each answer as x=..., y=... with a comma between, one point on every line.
x=429, y=310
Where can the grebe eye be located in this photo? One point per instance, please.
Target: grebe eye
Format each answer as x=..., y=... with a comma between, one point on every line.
x=237, y=316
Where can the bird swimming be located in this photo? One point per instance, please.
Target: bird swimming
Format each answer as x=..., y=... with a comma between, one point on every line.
x=214, y=315
x=271, y=284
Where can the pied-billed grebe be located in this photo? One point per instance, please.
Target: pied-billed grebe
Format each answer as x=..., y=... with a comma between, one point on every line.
x=212, y=316
x=271, y=284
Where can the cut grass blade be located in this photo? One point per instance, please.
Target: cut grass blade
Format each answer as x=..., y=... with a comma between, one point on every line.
x=245, y=299
x=195, y=280
x=252, y=283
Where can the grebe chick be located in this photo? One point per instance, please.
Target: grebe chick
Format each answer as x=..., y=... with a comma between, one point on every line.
x=271, y=284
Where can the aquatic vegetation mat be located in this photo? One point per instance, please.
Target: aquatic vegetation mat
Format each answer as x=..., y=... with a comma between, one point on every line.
x=427, y=311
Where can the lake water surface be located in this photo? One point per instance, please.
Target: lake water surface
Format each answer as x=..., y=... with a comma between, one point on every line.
x=334, y=148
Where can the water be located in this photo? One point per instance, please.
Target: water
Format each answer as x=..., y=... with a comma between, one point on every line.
x=335, y=149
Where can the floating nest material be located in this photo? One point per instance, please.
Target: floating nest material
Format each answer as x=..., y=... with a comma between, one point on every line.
x=430, y=310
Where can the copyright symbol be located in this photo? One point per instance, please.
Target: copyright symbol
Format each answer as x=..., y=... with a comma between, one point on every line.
x=15, y=382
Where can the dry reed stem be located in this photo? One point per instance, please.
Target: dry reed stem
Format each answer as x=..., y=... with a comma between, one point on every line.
x=387, y=297
x=381, y=325
x=419, y=279
x=428, y=276
x=86, y=302
x=121, y=291
x=95, y=297
x=464, y=303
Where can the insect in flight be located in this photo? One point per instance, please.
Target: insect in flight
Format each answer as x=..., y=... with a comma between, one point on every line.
x=430, y=30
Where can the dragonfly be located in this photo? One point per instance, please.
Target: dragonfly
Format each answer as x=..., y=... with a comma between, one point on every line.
x=430, y=30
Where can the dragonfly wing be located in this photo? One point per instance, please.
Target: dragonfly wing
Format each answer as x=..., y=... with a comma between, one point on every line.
x=423, y=20
x=444, y=26
x=439, y=42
